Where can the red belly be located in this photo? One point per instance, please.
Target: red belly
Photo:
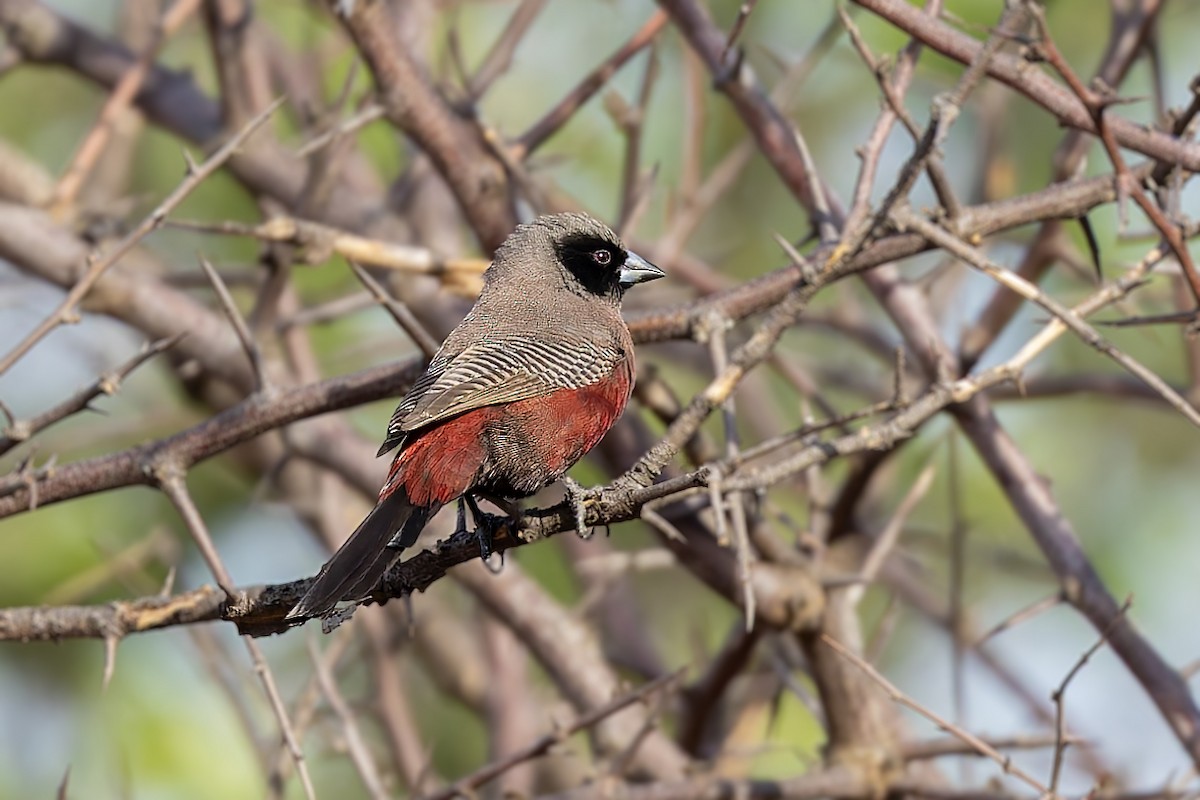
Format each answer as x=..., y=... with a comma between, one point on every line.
x=512, y=449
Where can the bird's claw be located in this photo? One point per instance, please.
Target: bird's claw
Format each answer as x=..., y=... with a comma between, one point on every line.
x=486, y=527
x=578, y=498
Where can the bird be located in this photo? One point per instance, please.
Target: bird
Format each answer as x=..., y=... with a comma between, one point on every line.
x=534, y=376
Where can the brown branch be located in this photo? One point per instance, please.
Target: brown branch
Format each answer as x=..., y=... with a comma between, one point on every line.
x=977, y=744
x=744, y=12
x=1019, y=74
x=554, y=119
x=777, y=138
x=1059, y=697
x=499, y=57
x=253, y=355
x=467, y=785
x=1098, y=107
x=239, y=53
x=477, y=178
x=399, y=313
x=108, y=384
x=196, y=174
x=953, y=745
x=123, y=93
x=171, y=480
x=242, y=422
x=358, y=120
x=173, y=101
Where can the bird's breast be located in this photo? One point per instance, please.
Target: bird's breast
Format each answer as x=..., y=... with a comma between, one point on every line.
x=511, y=449
x=533, y=442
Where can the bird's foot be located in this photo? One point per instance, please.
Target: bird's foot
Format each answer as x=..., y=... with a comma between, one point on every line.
x=486, y=527
x=579, y=497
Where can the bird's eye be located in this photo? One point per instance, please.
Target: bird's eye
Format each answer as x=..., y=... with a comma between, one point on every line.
x=602, y=257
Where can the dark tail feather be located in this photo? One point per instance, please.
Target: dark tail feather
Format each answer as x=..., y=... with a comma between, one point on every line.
x=359, y=564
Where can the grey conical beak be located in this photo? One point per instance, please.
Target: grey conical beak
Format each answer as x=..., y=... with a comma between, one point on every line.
x=638, y=270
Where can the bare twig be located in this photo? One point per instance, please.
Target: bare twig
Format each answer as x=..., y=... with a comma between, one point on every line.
x=1061, y=738
x=239, y=325
x=316, y=242
x=498, y=59
x=483, y=775
x=196, y=174
x=554, y=119
x=21, y=430
x=399, y=312
x=172, y=483
x=744, y=12
x=1067, y=316
x=122, y=95
x=360, y=754
x=978, y=745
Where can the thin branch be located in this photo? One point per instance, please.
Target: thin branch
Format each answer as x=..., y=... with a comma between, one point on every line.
x=744, y=12
x=1023, y=615
x=1059, y=697
x=108, y=384
x=499, y=57
x=171, y=481
x=360, y=754
x=359, y=120
x=399, y=312
x=66, y=311
x=239, y=325
x=883, y=545
x=122, y=95
x=970, y=255
x=978, y=745
x=466, y=786
x=953, y=745
x=263, y=670
x=558, y=116
x=316, y=242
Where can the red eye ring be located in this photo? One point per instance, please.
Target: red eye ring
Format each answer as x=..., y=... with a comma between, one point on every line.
x=602, y=257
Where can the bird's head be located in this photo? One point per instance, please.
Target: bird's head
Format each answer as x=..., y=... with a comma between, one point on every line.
x=581, y=252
